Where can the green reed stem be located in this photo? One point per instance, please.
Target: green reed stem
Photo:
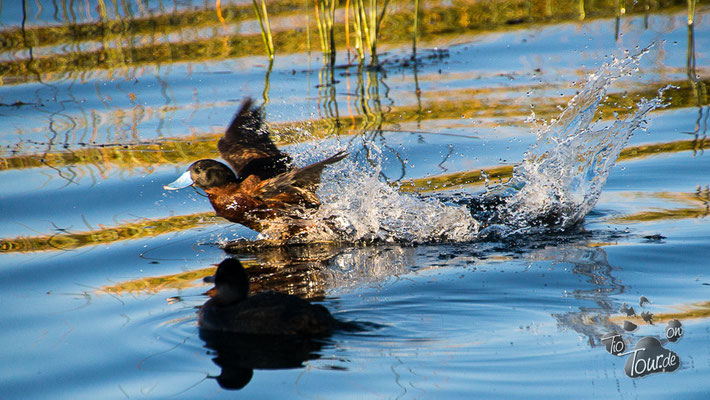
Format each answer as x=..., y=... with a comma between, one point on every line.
x=367, y=25
x=267, y=83
x=263, y=17
x=331, y=25
x=325, y=17
x=324, y=27
x=373, y=26
x=364, y=27
x=268, y=30
x=308, y=30
x=357, y=24
x=321, y=29
x=416, y=28
x=691, y=11
x=582, y=14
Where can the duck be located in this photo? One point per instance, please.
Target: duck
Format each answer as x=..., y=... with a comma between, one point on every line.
x=232, y=309
x=262, y=190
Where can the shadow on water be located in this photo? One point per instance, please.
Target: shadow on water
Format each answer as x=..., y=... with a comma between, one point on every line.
x=265, y=330
x=239, y=355
x=327, y=268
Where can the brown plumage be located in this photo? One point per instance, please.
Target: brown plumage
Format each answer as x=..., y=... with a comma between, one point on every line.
x=264, y=190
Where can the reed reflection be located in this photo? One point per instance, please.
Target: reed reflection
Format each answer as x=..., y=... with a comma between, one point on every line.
x=698, y=86
x=267, y=84
x=369, y=100
x=122, y=135
x=327, y=99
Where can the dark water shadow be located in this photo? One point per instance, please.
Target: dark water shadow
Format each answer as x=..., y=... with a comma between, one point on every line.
x=239, y=355
x=312, y=271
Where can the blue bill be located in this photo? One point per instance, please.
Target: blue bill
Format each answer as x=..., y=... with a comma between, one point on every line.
x=184, y=180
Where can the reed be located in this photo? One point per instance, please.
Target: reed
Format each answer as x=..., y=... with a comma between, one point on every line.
x=367, y=25
x=267, y=83
x=357, y=25
x=325, y=21
x=263, y=16
x=416, y=31
x=691, y=11
x=582, y=14
x=73, y=58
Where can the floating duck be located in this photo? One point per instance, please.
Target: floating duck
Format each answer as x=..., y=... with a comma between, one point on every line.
x=262, y=190
x=266, y=313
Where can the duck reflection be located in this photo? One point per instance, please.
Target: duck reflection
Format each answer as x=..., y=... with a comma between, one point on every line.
x=232, y=309
x=592, y=320
x=598, y=305
x=267, y=330
x=310, y=271
x=295, y=270
x=238, y=355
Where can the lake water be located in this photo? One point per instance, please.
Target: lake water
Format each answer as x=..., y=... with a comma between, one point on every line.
x=101, y=269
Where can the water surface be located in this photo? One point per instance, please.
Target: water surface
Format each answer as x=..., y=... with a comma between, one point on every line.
x=101, y=270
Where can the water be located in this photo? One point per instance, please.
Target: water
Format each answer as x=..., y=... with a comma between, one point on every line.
x=102, y=270
x=558, y=181
x=564, y=172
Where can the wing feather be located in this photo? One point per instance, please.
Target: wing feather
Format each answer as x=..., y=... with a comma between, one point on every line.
x=302, y=181
x=247, y=147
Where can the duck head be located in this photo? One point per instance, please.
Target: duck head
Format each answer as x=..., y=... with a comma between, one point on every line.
x=231, y=282
x=204, y=174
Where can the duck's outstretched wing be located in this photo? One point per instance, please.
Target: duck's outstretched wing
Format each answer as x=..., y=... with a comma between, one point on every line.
x=247, y=147
x=302, y=181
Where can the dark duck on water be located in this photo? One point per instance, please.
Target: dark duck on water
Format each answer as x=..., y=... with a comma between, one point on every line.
x=262, y=191
x=266, y=313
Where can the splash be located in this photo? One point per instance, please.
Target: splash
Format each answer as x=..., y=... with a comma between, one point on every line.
x=359, y=207
x=557, y=183
x=561, y=177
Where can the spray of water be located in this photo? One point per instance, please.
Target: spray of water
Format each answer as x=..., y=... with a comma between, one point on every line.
x=358, y=206
x=561, y=177
x=555, y=186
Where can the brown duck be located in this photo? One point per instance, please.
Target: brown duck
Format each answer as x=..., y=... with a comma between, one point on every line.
x=262, y=190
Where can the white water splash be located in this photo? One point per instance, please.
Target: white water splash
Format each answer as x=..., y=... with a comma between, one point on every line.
x=358, y=206
x=558, y=182
x=561, y=177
